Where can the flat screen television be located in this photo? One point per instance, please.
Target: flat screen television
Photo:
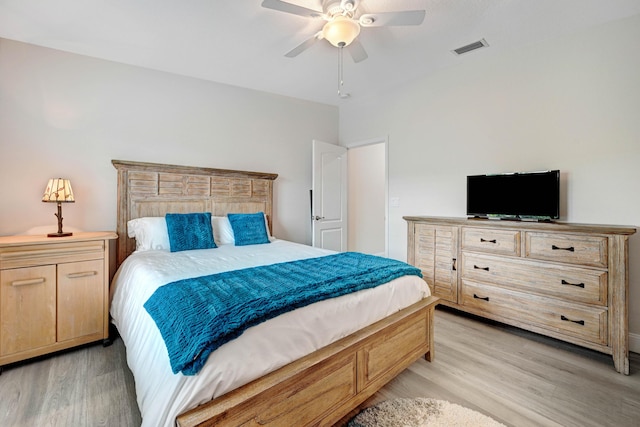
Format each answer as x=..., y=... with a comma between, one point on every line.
x=516, y=196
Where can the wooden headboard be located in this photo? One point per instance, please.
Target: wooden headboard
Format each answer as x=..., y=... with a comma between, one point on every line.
x=152, y=189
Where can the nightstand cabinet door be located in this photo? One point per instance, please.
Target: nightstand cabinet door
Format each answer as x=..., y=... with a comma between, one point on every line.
x=27, y=308
x=80, y=297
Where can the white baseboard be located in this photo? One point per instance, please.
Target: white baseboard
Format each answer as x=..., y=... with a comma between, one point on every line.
x=634, y=343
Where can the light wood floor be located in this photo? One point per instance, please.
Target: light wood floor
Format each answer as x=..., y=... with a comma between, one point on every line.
x=518, y=378
x=89, y=386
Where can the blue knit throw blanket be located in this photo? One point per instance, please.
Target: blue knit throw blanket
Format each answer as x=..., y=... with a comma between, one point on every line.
x=196, y=316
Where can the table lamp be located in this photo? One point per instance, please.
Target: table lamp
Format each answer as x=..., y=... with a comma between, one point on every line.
x=58, y=191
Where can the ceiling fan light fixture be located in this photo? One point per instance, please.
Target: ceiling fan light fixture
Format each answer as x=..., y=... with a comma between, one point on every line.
x=341, y=31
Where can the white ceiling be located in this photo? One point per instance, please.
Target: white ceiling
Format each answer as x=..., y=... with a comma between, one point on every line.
x=238, y=42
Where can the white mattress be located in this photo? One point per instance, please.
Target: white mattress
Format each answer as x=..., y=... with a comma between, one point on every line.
x=162, y=395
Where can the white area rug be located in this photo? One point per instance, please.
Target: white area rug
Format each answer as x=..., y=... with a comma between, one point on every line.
x=420, y=412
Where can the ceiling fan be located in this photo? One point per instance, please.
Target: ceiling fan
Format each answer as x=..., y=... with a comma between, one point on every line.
x=343, y=23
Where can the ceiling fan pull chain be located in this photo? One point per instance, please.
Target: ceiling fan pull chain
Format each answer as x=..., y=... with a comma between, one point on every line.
x=340, y=68
x=340, y=80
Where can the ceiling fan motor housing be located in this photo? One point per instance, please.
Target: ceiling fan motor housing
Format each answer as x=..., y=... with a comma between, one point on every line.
x=345, y=7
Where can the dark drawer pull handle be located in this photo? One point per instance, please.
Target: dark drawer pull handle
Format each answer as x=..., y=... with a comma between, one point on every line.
x=483, y=298
x=453, y=267
x=580, y=285
x=556, y=248
x=566, y=319
x=481, y=268
x=487, y=241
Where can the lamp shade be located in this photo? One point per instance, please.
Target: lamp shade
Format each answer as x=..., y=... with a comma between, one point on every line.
x=341, y=31
x=58, y=190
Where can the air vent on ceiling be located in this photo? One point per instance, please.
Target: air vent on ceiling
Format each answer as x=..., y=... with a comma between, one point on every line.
x=470, y=47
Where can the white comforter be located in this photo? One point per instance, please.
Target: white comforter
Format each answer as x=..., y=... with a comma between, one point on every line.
x=162, y=395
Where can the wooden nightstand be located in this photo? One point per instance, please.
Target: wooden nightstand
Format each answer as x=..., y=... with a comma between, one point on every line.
x=54, y=293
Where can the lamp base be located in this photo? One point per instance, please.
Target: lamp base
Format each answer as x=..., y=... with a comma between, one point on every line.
x=59, y=234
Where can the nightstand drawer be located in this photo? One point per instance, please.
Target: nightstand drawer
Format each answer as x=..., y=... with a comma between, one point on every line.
x=569, y=248
x=504, y=242
x=53, y=253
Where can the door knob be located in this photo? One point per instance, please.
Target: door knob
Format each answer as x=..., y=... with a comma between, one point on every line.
x=317, y=218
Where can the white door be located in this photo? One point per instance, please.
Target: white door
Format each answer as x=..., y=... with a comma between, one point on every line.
x=329, y=196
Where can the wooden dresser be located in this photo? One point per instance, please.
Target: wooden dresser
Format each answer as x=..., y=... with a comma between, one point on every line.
x=567, y=281
x=54, y=293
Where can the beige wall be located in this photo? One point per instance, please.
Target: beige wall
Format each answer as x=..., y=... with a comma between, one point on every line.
x=68, y=115
x=571, y=104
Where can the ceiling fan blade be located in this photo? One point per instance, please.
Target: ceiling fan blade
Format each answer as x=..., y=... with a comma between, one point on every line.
x=304, y=45
x=407, y=17
x=356, y=51
x=283, y=6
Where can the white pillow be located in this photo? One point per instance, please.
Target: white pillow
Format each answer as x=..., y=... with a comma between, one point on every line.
x=150, y=233
x=222, y=231
x=266, y=225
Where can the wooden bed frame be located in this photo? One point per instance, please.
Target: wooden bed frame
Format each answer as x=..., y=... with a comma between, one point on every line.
x=319, y=389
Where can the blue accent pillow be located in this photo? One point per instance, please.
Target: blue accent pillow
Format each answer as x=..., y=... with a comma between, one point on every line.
x=249, y=229
x=190, y=231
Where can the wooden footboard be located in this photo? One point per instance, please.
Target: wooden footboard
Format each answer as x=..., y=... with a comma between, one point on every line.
x=324, y=386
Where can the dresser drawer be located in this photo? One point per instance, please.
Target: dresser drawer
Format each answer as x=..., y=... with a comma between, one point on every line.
x=585, y=323
x=571, y=283
x=504, y=242
x=573, y=249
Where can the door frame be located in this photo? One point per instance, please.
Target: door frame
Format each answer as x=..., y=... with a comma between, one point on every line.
x=378, y=140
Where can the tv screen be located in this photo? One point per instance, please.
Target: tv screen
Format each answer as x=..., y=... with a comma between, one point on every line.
x=529, y=195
